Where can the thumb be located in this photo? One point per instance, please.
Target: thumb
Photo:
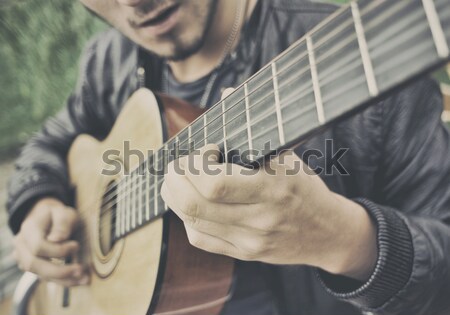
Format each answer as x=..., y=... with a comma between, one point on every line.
x=64, y=220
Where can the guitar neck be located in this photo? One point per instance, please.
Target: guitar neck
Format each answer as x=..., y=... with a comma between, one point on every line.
x=360, y=53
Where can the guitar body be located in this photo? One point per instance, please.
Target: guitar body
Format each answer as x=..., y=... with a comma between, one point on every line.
x=153, y=270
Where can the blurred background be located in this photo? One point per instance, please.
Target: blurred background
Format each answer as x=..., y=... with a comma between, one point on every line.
x=40, y=43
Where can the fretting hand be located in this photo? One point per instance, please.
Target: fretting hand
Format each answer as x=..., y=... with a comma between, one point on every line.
x=268, y=214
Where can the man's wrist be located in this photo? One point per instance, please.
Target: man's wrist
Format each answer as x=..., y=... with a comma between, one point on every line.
x=355, y=242
x=393, y=268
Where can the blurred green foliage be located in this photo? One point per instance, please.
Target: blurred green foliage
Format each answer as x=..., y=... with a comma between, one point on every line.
x=40, y=43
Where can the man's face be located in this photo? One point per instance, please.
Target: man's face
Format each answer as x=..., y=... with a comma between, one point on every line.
x=174, y=29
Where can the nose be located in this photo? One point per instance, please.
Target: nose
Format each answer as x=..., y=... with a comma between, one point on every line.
x=130, y=3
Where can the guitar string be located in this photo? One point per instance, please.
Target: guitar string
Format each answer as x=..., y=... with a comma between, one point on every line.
x=217, y=129
x=139, y=186
x=287, y=67
x=142, y=214
x=258, y=118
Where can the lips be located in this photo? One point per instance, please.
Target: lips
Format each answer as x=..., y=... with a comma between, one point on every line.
x=162, y=16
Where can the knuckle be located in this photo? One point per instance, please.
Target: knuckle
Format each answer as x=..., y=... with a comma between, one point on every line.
x=72, y=216
x=195, y=240
x=26, y=225
x=259, y=246
x=255, y=249
x=35, y=247
x=27, y=264
x=191, y=209
x=69, y=217
x=217, y=190
x=249, y=256
x=62, y=273
x=266, y=224
x=66, y=251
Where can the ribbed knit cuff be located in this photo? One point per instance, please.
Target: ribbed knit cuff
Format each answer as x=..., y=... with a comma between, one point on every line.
x=23, y=203
x=393, y=267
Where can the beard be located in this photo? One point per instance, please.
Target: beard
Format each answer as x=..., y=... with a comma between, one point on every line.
x=184, y=49
x=179, y=43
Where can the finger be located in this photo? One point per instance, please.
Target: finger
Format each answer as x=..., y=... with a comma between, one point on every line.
x=210, y=243
x=41, y=247
x=288, y=163
x=190, y=205
x=44, y=268
x=64, y=220
x=226, y=92
x=218, y=228
x=223, y=182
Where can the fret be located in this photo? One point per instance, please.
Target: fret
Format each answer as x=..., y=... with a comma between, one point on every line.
x=235, y=125
x=249, y=129
x=215, y=125
x=137, y=198
x=155, y=191
x=263, y=117
x=225, y=148
x=205, y=129
x=134, y=200
x=443, y=10
x=339, y=67
x=151, y=191
x=183, y=138
x=147, y=192
x=128, y=204
x=277, y=104
x=399, y=40
x=163, y=160
x=143, y=196
x=364, y=50
x=436, y=29
x=123, y=206
x=177, y=147
x=197, y=134
x=190, y=143
x=172, y=150
x=118, y=210
x=140, y=204
x=315, y=81
x=296, y=92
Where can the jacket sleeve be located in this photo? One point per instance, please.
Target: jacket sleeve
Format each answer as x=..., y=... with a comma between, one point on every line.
x=411, y=211
x=41, y=167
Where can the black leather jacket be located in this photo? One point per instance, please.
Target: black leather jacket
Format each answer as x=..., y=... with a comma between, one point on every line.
x=398, y=163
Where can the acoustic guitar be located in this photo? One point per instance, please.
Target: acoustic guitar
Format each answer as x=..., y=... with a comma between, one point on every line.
x=141, y=261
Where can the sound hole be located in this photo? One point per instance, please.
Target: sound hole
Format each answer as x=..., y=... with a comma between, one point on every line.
x=107, y=218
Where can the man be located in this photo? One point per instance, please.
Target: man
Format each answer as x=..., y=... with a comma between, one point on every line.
x=376, y=240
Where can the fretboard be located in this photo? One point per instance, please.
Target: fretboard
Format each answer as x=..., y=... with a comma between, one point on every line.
x=361, y=52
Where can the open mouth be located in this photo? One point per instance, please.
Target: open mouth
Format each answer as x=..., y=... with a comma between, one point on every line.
x=161, y=17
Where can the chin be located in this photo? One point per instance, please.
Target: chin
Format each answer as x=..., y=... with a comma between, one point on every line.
x=173, y=50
